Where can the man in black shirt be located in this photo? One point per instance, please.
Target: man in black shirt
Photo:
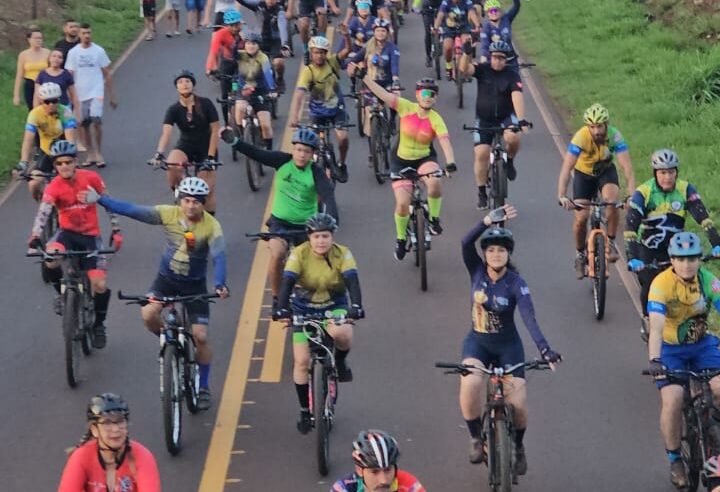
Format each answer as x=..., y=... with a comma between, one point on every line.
x=499, y=103
x=70, y=29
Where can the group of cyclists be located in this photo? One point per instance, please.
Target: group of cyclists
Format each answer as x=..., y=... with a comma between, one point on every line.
x=309, y=273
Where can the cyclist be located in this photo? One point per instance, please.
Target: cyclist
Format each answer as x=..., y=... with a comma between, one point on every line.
x=428, y=9
x=192, y=234
x=499, y=102
x=377, y=8
x=79, y=230
x=317, y=9
x=106, y=458
x=257, y=85
x=300, y=190
x=360, y=27
x=679, y=303
x=48, y=122
x=498, y=27
x=274, y=34
x=321, y=79
x=457, y=18
x=496, y=291
x=376, y=453
x=590, y=157
x=657, y=210
x=321, y=275
x=222, y=55
x=420, y=124
x=197, y=120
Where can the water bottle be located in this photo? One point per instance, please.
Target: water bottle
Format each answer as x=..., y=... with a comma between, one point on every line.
x=235, y=86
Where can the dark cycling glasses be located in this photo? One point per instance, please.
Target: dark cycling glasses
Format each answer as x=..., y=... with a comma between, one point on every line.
x=499, y=57
x=65, y=162
x=427, y=93
x=51, y=101
x=493, y=11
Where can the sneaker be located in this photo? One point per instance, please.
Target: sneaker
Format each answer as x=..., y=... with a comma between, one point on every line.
x=176, y=33
x=678, y=476
x=482, y=199
x=476, y=455
x=644, y=332
x=510, y=169
x=520, y=461
x=614, y=253
x=99, y=339
x=304, y=423
x=149, y=37
x=342, y=173
x=58, y=304
x=344, y=372
x=428, y=62
x=580, y=263
x=168, y=34
x=204, y=400
x=400, y=249
x=434, y=226
x=189, y=31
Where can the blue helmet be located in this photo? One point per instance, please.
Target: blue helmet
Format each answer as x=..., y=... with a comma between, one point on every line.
x=306, y=136
x=685, y=244
x=500, y=47
x=253, y=37
x=232, y=17
x=63, y=148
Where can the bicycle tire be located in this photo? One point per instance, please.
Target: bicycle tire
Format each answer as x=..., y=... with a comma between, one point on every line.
x=191, y=377
x=421, y=248
x=437, y=50
x=690, y=449
x=72, y=341
x=599, y=281
x=498, y=183
x=273, y=108
x=171, y=396
x=504, y=451
x=331, y=162
x=394, y=19
x=360, y=108
x=319, y=394
x=250, y=165
x=458, y=82
x=378, y=153
x=88, y=320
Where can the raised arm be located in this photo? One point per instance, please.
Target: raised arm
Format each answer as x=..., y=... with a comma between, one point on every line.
x=387, y=97
x=697, y=209
x=271, y=158
x=472, y=259
x=143, y=213
x=513, y=11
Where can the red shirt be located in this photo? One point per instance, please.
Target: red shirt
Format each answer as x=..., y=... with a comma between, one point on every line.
x=73, y=215
x=223, y=43
x=137, y=473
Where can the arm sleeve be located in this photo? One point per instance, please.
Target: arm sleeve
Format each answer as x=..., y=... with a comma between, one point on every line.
x=104, y=59
x=217, y=251
x=211, y=62
x=527, y=311
x=169, y=120
x=697, y=209
x=68, y=119
x=268, y=73
x=210, y=110
x=633, y=219
x=656, y=297
x=395, y=62
x=352, y=283
x=470, y=255
x=326, y=193
x=271, y=158
x=149, y=215
x=250, y=4
x=513, y=11
x=41, y=218
x=282, y=27
x=305, y=79
x=148, y=476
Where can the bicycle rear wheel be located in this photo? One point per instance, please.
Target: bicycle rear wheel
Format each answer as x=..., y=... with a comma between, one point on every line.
x=498, y=185
x=437, y=56
x=87, y=319
x=331, y=163
x=421, y=260
x=322, y=427
x=458, y=82
x=252, y=168
x=379, y=153
x=690, y=449
x=171, y=396
x=71, y=327
x=599, y=281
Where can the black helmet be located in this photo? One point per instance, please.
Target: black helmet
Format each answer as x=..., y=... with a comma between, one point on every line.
x=321, y=222
x=499, y=236
x=107, y=403
x=375, y=449
x=426, y=83
x=184, y=74
x=500, y=47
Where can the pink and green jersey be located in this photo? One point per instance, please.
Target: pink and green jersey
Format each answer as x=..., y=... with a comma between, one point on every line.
x=417, y=132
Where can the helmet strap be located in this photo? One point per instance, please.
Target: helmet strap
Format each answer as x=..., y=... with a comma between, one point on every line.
x=118, y=453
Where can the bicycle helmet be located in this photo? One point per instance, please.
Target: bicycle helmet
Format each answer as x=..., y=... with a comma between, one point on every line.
x=685, y=244
x=192, y=186
x=106, y=404
x=362, y=5
x=321, y=222
x=426, y=83
x=184, y=74
x=319, y=42
x=232, y=16
x=492, y=4
x=306, y=136
x=63, y=148
x=712, y=467
x=375, y=449
x=596, y=114
x=384, y=23
x=49, y=90
x=497, y=236
x=664, y=159
x=500, y=47
x=252, y=37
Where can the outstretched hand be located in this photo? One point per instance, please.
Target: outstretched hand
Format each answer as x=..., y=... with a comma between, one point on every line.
x=501, y=214
x=88, y=196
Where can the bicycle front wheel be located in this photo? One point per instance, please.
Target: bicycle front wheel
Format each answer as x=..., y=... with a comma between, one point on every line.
x=171, y=395
x=71, y=329
x=437, y=56
x=251, y=166
x=87, y=320
x=499, y=183
x=191, y=377
x=458, y=82
x=322, y=425
x=599, y=281
x=690, y=449
x=421, y=259
x=378, y=153
x=503, y=457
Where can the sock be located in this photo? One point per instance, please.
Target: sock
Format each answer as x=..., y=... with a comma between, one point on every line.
x=52, y=276
x=481, y=189
x=475, y=427
x=673, y=455
x=101, y=302
x=302, y=394
x=268, y=143
x=401, y=224
x=519, y=434
x=434, y=204
x=204, y=375
x=341, y=355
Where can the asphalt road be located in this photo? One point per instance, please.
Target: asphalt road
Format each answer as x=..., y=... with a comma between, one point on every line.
x=593, y=423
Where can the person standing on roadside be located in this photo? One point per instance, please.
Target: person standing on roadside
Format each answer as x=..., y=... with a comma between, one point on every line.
x=219, y=7
x=89, y=65
x=173, y=18
x=148, y=10
x=57, y=74
x=29, y=64
x=70, y=39
x=195, y=10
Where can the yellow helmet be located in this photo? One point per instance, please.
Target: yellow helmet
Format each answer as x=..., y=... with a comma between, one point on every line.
x=596, y=114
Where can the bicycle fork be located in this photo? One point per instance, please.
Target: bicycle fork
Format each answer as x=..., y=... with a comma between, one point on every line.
x=592, y=252
x=412, y=227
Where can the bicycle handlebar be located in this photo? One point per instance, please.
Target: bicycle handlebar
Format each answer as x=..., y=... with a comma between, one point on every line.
x=166, y=300
x=302, y=319
x=266, y=236
x=703, y=375
x=35, y=173
x=465, y=369
x=595, y=203
x=664, y=264
x=68, y=254
x=415, y=176
x=321, y=128
x=512, y=128
x=202, y=165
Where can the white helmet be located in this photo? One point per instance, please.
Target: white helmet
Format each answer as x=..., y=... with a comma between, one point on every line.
x=192, y=186
x=49, y=90
x=319, y=42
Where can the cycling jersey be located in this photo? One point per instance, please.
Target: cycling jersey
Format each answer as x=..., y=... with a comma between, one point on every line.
x=188, y=243
x=255, y=71
x=417, y=132
x=323, y=83
x=502, y=32
x=404, y=482
x=592, y=158
x=456, y=14
x=375, y=5
x=381, y=66
x=137, y=472
x=360, y=33
x=320, y=279
x=685, y=305
x=194, y=127
x=49, y=127
x=222, y=45
x=494, y=102
x=73, y=215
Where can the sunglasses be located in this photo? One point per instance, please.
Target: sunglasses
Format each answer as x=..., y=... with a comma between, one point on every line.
x=493, y=11
x=427, y=93
x=499, y=57
x=51, y=101
x=66, y=162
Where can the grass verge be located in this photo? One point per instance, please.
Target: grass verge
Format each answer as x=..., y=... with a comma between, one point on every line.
x=115, y=23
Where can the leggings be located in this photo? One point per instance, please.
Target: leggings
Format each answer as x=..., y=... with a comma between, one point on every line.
x=29, y=92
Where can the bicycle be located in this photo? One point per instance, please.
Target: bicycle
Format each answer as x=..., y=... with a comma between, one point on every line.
x=498, y=435
x=179, y=373
x=356, y=93
x=324, y=155
x=701, y=431
x=598, y=251
x=52, y=223
x=78, y=317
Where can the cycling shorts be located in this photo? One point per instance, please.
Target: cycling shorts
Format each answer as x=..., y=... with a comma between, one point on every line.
x=272, y=48
x=453, y=33
x=91, y=109
x=257, y=103
x=490, y=350
x=307, y=8
x=44, y=162
x=487, y=137
x=586, y=186
x=425, y=165
x=193, y=153
x=279, y=226
x=65, y=240
x=198, y=311
x=339, y=118
x=198, y=5
x=298, y=307
x=704, y=354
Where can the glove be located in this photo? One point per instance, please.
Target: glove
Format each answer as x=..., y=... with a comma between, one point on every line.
x=497, y=215
x=22, y=167
x=91, y=195
x=116, y=239
x=34, y=242
x=451, y=167
x=657, y=369
x=636, y=265
x=523, y=123
x=467, y=47
x=716, y=251
x=222, y=290
x=360, y=73
x=549, y=355
x=356, y=312
x=158, y=159
x=281, y=314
